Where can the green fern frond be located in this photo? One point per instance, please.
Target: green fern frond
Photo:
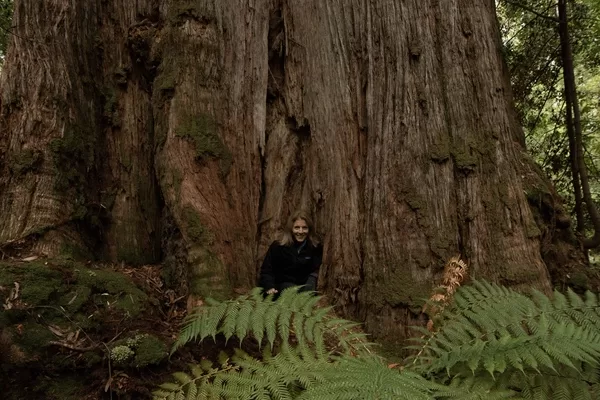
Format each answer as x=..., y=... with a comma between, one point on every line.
x=288, y=376
x=279, y=377
x=491, y=343
x=569, y=384
x=474, y=388
x=368, y=378
x=493, y=328
x=293, y=313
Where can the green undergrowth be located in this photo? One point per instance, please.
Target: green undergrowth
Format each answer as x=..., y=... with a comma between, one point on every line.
x=61, y=316
x=69, y=285
x=138, y=351
x=489, y=342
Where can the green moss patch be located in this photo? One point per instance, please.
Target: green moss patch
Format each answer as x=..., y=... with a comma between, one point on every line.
x=75, y=252
x=75, y=298
x=26, y=161
x=114, y=289
x=149, y=351
x=32, y=336
x=464, y=159
x=73, y=156
x=440, y=151
x=207, y=275
x=194, y=228
x=138, y=351
x=65, y=322
x=202, y=130
x=476, y=152
x=38, y=284
x=63, y=294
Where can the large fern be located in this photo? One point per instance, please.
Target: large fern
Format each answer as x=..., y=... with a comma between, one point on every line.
x=489, y=343
x=290, y=376
x=320, y=355
x=533, y=345
x=282, y=376
x=493, y=328
x=293, y=317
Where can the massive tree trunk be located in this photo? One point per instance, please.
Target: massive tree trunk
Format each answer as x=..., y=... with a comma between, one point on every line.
x=186, y=131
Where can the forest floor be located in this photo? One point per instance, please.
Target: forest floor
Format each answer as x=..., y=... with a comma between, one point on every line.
x=84, y=331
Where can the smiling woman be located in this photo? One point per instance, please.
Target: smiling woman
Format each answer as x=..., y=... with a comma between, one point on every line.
x=294, y=260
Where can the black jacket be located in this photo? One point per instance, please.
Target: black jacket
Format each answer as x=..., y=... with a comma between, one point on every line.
x=290, y=264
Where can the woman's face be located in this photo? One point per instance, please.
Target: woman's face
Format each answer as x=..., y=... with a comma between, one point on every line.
x=300, y=230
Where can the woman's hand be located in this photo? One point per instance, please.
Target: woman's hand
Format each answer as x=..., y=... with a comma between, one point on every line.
x=272, y=291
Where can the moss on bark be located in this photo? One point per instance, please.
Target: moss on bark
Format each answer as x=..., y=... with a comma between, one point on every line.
x=74, y=157
x=203, y=131
x=26, y=161
x=208, y=276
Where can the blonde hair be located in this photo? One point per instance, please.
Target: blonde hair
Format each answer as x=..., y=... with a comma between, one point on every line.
x=287, y=239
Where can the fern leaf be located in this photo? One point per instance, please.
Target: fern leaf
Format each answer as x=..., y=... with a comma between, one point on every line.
x=216, y=315
x=229, y=322
x=182, y=377
x=310, y=304
x=160, y=394
x=284, y=322
x=271, y=324
x=474, y=388
x=368, y=379
x=298, y=326
x=243, y=377
x=242, y=323
x=258, y=320
x=496, y=329
x=172, y=387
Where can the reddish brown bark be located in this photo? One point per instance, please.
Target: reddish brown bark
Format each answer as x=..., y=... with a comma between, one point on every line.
x=209, y=121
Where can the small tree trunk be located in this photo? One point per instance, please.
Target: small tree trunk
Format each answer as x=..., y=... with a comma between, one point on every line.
x=574, y=166
x=573, y=109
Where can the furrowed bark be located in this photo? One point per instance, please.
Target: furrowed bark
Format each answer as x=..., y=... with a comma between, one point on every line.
x=210, y=121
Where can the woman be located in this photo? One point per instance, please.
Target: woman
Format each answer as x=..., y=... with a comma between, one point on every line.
x=294, y=260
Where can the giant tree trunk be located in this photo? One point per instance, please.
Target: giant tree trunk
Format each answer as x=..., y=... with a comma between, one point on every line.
x=186, y=131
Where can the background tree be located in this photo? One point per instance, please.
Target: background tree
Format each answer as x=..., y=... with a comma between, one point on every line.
x=186, y=131
x=532, y=32
x=5, y=20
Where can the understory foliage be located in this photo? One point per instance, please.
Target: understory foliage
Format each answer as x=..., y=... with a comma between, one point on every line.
x=531, y=47
x=6, y=11
x=489, y=342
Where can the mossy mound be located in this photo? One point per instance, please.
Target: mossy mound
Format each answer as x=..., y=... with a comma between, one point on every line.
x=65, y=287
x=138, y=351
x=61, y=317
